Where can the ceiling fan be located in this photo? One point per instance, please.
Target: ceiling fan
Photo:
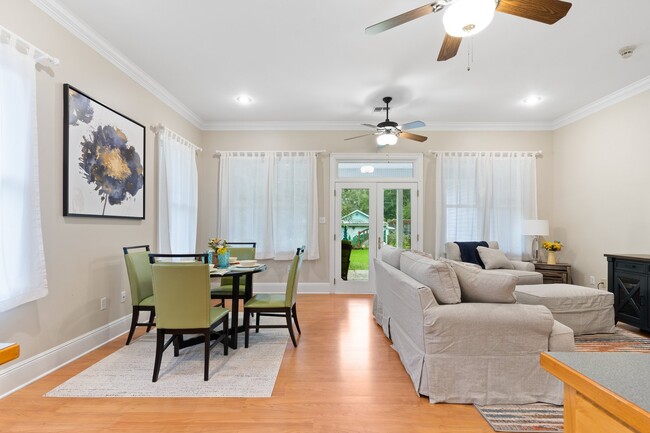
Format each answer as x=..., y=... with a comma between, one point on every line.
x=468, y=17
x=388, y=132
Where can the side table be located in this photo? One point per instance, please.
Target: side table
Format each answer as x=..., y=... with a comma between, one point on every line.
x=558, y=273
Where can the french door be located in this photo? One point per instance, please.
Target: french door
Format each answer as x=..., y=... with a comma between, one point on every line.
x=369, y=215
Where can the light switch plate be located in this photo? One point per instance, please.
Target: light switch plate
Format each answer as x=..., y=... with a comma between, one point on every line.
x=321, y=220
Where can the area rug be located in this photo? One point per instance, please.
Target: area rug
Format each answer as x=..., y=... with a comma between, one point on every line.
x=542, y=417
x=127, y=372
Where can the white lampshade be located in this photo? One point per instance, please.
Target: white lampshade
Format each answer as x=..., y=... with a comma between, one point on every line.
x=536, y=227
x=468, y=17
x=386, y=139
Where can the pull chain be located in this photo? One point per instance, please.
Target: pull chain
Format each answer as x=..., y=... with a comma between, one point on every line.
x=470, y=54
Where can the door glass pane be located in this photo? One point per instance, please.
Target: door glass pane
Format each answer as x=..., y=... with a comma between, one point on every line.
x=355, y=227
x=375, y=169
x=397, y=218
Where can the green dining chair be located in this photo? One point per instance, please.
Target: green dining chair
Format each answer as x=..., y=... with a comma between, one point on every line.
x=277, y=304
x=139, y=271
x=183, y=305
x=243, y=251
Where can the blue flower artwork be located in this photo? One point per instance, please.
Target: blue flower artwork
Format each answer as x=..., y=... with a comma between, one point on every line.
x=104, y=160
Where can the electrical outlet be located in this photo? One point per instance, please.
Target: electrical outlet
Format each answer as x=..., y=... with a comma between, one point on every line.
x=592, y=280
x=602, y=284
x=102, y=303
x=123, y=296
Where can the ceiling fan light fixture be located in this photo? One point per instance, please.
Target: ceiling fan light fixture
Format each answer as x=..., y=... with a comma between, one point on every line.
x=468, y=17
x=387, y=139
x=532, y=100
x=244, y=99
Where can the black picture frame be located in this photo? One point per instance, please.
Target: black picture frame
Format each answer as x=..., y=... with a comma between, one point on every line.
x=104, y=159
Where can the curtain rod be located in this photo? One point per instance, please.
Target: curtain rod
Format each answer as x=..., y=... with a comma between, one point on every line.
x=535, y=153
x=160, y=128
x=39, y=56
x=218, y=153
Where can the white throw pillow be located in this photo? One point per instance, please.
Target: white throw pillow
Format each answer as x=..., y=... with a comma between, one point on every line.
x=494, y=259
x=390, y=255
x=438, y=276
x=484, y=286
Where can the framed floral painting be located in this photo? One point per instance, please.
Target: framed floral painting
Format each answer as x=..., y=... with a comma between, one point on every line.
x=103, y=159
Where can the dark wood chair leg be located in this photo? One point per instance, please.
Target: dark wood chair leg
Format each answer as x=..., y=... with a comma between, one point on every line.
x=152, y=316
x=247, y=325
x=177, y=345
x=295, y=318
x=225, y=336
x=160, y=342
x=134, y=323
x=290, y=327
x=257, y=322
x=206, y=357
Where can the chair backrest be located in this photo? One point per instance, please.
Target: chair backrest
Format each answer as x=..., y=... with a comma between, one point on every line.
x=182, y=291
x=292, y=280
x=241, y=250
x=139, y=271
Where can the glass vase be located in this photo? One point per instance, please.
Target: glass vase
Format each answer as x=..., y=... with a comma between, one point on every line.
x=223, y=259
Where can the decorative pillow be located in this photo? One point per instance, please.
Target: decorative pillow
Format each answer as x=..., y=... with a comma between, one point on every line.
x=468, y=252
x=477, y=285
x=438, y=276
x=494, y=259
x=467, y=265
x=422, y=253
x=390, y=255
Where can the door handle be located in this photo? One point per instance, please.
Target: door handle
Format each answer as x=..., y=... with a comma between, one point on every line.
x=379, y=242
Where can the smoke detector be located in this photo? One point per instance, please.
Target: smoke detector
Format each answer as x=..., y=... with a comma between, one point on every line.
x=626, y=52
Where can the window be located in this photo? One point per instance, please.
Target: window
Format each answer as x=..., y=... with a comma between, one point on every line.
x=270, y=198
x=485, y=196
x=22, y=259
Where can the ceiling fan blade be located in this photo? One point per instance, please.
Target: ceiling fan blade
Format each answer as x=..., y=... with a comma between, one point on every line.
x=358, y=136
x=544, y=11
x=405, y=17
x=415, y=137
x=369, y=125
x=412, y=125
x=449, y=48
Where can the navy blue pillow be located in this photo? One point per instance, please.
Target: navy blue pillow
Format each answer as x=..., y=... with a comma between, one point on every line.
x=469, y=253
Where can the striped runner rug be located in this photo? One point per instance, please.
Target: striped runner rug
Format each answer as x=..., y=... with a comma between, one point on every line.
x=542, y=417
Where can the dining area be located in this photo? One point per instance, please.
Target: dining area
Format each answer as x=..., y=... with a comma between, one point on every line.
x=206, y=298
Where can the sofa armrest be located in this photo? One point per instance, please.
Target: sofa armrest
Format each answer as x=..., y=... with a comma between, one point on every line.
x=523, y=266
x=481, y=328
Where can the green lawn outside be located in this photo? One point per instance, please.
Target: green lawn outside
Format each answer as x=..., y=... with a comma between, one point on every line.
x=359, y=260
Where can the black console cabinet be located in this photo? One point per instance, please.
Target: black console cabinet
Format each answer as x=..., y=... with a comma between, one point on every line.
x=628, y=278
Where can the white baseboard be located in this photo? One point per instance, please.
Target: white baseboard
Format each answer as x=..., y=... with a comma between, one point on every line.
x=25, y=372
x=320, y=288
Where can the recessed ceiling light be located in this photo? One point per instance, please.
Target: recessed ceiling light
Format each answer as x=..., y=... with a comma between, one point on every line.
x=532, y=100
x=244, y=99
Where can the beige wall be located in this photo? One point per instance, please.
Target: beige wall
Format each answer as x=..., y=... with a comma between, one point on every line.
x=333, y=142
x=83, y=255
x=601, y=172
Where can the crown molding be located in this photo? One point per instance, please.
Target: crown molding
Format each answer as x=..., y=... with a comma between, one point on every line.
x=356, y=126
x=607, y=101
x=79, y=29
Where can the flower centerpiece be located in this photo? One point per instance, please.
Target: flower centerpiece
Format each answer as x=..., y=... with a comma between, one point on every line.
x=219, y=246
x=552, y=247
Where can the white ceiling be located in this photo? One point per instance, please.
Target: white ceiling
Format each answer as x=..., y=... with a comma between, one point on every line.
x=310, y=62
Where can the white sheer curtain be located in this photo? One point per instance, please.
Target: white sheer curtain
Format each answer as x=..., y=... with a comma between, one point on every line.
x=270, y=198
x=22, y=260
x=177, y=194
x=485, y=196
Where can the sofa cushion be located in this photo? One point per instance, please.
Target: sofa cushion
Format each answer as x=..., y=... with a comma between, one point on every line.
x=390, y=255
x=437, y=275
x=494, y=258
x=468, y=252
x=478, y=285
x=523, y=277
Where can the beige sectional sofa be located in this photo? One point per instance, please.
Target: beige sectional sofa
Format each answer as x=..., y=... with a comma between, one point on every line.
x=465, y=352
x=524, y=271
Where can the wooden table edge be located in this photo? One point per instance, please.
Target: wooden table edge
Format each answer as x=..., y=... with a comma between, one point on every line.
x=9, y=353
x=626, y=411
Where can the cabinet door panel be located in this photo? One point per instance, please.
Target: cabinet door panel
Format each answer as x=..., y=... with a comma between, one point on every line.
x=631, y=298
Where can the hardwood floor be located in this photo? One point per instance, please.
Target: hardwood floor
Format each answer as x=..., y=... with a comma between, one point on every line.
x=342, y=377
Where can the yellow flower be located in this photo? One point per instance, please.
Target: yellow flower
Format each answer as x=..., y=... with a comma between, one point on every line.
x=218, y=245
x=552, y=246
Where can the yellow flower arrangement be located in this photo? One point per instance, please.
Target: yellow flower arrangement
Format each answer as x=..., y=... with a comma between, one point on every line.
x=218, y=245
x=552, y=246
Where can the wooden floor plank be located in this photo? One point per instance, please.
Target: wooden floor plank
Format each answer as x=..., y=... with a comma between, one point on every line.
x=342, y=377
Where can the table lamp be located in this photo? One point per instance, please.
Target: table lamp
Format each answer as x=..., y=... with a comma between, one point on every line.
x=535, y=228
